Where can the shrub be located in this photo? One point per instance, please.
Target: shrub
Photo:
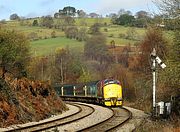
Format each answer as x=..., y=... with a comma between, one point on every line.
x=105, y=30
x=122, y=35
x=53, y=34
x=111, y=35
x=33, y=36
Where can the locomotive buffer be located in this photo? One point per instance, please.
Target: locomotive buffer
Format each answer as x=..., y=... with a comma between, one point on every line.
x=155, y=59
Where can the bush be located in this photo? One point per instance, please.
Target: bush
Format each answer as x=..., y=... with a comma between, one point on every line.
x=111, y=35
x=105, y=30
x=3, y=21
x=105, y=23
x=122, y=35
x=35, y=23
x=45, y=37
x=71, y=32
x=33, y=36
x=53, y=34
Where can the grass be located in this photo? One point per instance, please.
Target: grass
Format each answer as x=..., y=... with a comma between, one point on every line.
x=45, y=46
x=48, y=46
x=90, y=21
x=159, y=125
x=42, y=32
x=114, y=31
x=120, y=41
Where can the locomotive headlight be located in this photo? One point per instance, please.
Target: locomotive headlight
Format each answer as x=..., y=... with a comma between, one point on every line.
x=119, y=99
x=107, y=99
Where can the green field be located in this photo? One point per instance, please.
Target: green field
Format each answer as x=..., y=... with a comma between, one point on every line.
x=41, y=32
x=48, y=46
x=113, y=33
x=90, y=21
x=45, y=44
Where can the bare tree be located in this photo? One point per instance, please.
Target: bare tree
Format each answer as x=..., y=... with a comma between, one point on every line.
x=170, y=77
x=170, y=8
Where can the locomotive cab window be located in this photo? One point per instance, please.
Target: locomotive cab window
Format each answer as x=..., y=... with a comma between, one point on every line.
x=111, y=82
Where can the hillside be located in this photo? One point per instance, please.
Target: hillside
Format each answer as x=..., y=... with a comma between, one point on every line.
x=49, y=46
x=41, y=37
x=21, y=101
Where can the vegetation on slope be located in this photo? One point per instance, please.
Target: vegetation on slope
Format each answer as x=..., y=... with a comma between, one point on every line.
x=23, y=100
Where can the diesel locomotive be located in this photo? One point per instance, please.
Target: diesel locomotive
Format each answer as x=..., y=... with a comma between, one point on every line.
x=107, y=92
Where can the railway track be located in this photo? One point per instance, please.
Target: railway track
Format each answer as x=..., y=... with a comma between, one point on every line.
x=84, y=111
x=120, y=117
x=96, y=122
x=84, y=119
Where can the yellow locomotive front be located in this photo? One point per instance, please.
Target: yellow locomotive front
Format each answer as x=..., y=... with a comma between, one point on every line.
x=111, y=92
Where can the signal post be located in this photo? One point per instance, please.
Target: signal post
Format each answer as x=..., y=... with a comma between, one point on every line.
x=155, y=59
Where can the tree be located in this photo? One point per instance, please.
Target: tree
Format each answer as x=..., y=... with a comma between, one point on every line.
x=82, y=34
x=47, y=21
x=81, y=13
x=56, y=15
x=68, y=11
x=14, y=17
x=170, y=78
x=74, y=70
x=59, y=24
x=123, y=11
x=63, y=22
x=169, y=7
x=143, y=18
x=142, y=14
x=96, y=48
x=141, y=22
x=85, y=77
x=14, y=48
x=69, y=21
x=125, y=19
x=93, y=15
x=35, y=23
x=67, y=68
x=71, y=32
x=114, y=17
x=131, y=34
x=95, y=28
x=153, y=39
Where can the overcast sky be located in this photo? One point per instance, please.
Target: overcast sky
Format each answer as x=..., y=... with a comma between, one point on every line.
x=32, y=8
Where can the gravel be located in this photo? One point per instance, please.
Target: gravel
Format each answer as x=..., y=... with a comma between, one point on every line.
x=138, y=117
x=72, y=110
x=100, y=114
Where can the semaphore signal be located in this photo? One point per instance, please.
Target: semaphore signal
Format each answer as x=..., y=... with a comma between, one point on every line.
x=155, y=59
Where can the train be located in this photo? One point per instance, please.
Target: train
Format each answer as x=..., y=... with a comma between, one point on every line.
x=107, y=92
